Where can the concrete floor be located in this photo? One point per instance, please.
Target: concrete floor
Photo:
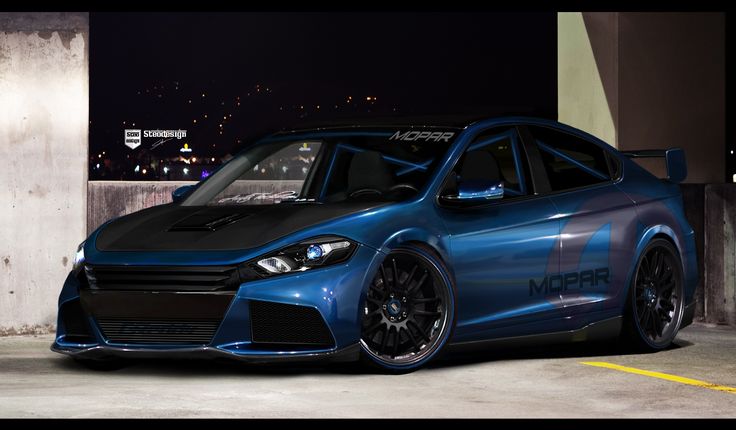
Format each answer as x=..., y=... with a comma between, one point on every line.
x=542, y=382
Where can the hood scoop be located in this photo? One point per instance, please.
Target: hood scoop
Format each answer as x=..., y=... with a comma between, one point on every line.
x=207, y=221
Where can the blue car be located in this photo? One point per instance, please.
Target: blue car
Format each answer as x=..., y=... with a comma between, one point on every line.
x=392, y=243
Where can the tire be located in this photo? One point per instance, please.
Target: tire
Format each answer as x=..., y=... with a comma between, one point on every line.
x=102, y=365
x=408, y=312
x=655, y=302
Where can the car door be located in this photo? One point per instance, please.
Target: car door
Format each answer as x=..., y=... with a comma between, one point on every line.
x=503, y=250
x=597, y=222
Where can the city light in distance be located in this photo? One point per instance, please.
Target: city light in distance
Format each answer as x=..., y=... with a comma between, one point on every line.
x=220, y=104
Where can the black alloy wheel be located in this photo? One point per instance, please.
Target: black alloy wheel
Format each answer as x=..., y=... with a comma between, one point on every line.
x=656, y=297
x=408, y=311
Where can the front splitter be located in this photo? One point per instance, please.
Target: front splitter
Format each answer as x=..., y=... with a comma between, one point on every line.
x=101, y=352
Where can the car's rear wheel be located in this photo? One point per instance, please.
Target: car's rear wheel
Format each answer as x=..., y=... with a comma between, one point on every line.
x=655, y=300
x=408, y=312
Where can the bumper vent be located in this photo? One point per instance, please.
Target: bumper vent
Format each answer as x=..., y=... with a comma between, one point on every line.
x=278, y=323
x=158, y=331
x=76, y=327
x=163, y=278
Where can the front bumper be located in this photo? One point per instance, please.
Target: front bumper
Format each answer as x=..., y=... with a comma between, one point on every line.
x=335, y=292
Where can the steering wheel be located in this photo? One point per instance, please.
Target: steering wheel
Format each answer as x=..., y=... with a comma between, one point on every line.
x=363, y=191
x=409, y=187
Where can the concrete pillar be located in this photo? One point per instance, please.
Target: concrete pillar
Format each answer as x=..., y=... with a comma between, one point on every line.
x=647, y=80
x=44, y=121
x=672, y=88
x=720, y=254
x=587, y=73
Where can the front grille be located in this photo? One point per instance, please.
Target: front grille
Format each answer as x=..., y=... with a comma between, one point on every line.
x=139, y=331
x=163, y=278
x=279, y=323
x=149, y=317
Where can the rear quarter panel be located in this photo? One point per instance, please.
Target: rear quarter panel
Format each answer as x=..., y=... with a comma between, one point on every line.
x=659, y=208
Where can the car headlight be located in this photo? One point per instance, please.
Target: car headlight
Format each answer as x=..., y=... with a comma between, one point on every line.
x=306, y=255
x=79, y=257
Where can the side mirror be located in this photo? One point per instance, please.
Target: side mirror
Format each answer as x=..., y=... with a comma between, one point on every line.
x=180, y=193
x=476, y=191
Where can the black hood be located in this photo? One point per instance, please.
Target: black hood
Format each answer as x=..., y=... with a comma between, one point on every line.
x=207, y=228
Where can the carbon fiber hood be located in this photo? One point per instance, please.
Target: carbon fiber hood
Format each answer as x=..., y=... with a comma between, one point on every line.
x=217, y=228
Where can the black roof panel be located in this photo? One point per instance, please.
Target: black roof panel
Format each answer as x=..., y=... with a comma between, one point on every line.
x=451, y=120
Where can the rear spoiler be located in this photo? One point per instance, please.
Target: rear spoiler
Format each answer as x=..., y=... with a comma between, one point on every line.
x=674, y=159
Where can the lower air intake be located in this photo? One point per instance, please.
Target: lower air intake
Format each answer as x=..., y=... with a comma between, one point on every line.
x=278, y=323
x=185, y=332
x=76, y=328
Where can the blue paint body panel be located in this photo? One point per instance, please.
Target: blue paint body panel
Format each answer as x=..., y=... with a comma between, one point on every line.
x=492, y=252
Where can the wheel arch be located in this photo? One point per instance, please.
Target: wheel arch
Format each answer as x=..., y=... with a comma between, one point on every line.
x=649, y=234
x=433, y=242
x=436, y=257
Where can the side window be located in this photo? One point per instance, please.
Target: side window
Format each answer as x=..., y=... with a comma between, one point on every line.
x=569, y=161
x=495, y=155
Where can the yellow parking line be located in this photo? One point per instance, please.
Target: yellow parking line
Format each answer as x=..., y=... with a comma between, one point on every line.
x=659, y=375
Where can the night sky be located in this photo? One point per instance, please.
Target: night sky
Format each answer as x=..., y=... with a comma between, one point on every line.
x=255, y=72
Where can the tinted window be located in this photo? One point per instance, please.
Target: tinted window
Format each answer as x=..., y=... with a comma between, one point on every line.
x=570, y=162
x=496, y=155
x=382, y=164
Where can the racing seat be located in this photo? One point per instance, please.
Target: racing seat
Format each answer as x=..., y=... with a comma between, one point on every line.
x=479, y=165
x=369, y=174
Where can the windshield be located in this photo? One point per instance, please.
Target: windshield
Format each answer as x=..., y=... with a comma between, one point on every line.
x=382, y=165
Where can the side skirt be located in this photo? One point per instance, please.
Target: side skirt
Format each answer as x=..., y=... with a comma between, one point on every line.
x=599, y=330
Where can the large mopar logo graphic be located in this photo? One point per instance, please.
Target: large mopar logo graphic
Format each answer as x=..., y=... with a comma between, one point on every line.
x=563, y=281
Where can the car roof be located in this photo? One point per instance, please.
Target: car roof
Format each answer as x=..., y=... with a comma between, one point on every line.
x=446, y=121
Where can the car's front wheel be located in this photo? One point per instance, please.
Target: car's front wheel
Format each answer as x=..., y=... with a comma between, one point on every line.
x=655, y=300
x=408, y=311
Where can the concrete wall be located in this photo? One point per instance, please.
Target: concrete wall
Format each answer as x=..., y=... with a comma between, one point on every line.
x=720, y=254
x=110, y=199
x=43, y=147
x=672, y=88
x=658, y=78
x=711, y=210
